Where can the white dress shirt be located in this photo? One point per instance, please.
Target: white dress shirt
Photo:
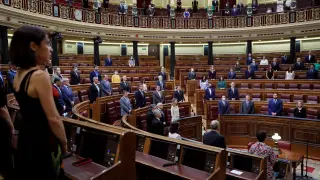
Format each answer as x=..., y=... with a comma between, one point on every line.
x=264, y=62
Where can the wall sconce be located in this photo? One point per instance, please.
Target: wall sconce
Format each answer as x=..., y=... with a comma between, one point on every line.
x=276, y=139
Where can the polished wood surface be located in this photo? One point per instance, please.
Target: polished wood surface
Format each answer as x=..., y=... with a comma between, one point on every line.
x=291, y=156
x=245, y=175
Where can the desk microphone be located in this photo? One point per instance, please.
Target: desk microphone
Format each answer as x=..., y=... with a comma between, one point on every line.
x=169, y=164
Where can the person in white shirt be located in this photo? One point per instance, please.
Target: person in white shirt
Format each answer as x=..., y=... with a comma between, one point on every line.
x=175, y=115
x=264, y=61
x=290, y=74
x=173, y=131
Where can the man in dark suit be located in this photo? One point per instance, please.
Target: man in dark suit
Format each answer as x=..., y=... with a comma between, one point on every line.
x=161, y=83
x=10, y=77
x=312, y=73
x=247, y=106
x=275, y=106
x=108, y=61
x=215, y=5
x=140, y=97
x=163, y=74
x=122, y=9
x=57, y=96
x=195, y=6
x=234, y=11
x=95, y=90
x=95, y=73
x=168, y=9
x=233, y=93
x=192, y=75
x=209, y=93
x=299, y=65
x=67, y=95
x=75, y=76
x=232, y=74
x=254, y=65
x=157, y=96
x=275, y=65
x=156, y=126
x=249, y=59
x=125, y=104
x=310, y=58
x=212, y=137
x=106, y=86
x=124, y=85
x=178, y=94
x=284, y=59
x=223, y=106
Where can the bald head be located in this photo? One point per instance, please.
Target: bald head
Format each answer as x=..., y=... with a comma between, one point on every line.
x=214, y=125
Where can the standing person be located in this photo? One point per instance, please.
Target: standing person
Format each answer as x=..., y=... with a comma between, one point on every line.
x=67, y=95
x=270, y=73
x=222, y=83
x=156, y=124
x=215, y=5
x=179, y=6
x=261, y=149
x=168, y=9
x=247, y=106
x=195, y=6
x=132, y=62
x=175, y=115
x=178, y=94
x=108, y=61
x=264, y=61
x=300, y=111
x=232, y=74
x=275, y=65
x=203, y=83
x=212, y=73
x=249, y=73
x=254, y=65
x=125, y=104
x=234, y=11
x=290, y=74
x=223, y=106
x=249, y=59
x=163, y=74
x=140, y=97
x=212, y=137
x=106, y=86
x=298, y=65
x=192, y=75
x=233, y=93
x=75, y=76
x=275, y=106
x=186, y=14
x=1, y=79
x=115, y=78
x=57, y=96
x=42, y=135
x=284, y=59
x=157, y=96
x=317, y=65
x=56, y=75
x=95, y=73
x=312, y=73
x=237, y=67
x=209, y=93
x=310, y=58
x=10, y=77
x=95, y=90
x=124, y=85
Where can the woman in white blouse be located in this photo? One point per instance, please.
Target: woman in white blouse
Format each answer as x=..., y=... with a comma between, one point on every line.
x=264, y=61
x=173, y=130
x=174, y=110
x=290, y=73
x=132, y=62
x=203, y=83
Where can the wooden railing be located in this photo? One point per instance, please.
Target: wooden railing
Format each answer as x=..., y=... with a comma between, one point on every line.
x=159, y=22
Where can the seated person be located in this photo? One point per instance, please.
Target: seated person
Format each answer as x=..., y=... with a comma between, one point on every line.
x=312, y=73
x=275, y=65
x=124, y=85
x=300, y=111
x=249, y=59
x=222, y=83
x=237, y=67
x=233, y=93
x=275, y=106
x=249, y=73
x=186, y=14
x=132, y=62
x=261, y=149
x=212, y=137
x=270, y=73
x=264, y=61
x=115, y=77
x=209, y=93
x=247, y=106
x=178, y=94
x=150, y=10
x=299, y=65
x=223, y=106
x=173, y=130
x=232, y=74
x=192, y=75
x=254, y=65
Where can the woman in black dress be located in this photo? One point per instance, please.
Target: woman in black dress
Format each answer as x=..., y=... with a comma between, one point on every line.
x=212, y=73
x=300, y=111
x=42, y=138
x=270, y=73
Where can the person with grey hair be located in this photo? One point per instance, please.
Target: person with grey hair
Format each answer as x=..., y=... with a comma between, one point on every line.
x=212, y=137
x=95, y=90
x=150, y=115
x=157, y=96
x=156, y=124
x=161, y=83
x=67, y=94
x=106, y=86
x=125, y=104
x=160, y=108
x=56, y=75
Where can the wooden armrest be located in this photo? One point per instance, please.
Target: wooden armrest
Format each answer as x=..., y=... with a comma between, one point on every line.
x=212, y=176
x=259, y=175
x=110, y=173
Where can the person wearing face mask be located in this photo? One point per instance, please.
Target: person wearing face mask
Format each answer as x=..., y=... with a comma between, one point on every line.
x=233, y=93
x=95, y=73
x=124, y=85
x=192, y=75
x=299, y=65
x=254, y=66
x=312, y=73
x=249, y=59
x=232, y=74
x=209, y=93
x=140, y=97
x=75, y=76
x=275, y=65
x=247, y=106
x=223, y=106
x=264, y=61
x=212, y=73
x=275, y=106
x=115, y=77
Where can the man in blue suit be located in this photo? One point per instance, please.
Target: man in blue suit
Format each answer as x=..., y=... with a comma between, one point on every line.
x=140, y=97
x=310, y=58
x=234, y=11
x=125, y=104
x=95, y=73
x=312, y=73
x=223, y=106
x=233, y=93
x=249, y=59
x=232, y=74
x=298, y=65
x=163, y=74
x=61, y=107
x=161, y=83
x=209, y=93
x=10, y=77
x=284, y=59
x=106, y=86
x=254, y=65
x=108, y=61
x=67, y=94
x=275, y=106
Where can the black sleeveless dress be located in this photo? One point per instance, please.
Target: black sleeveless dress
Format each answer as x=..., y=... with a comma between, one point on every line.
x=38, y=152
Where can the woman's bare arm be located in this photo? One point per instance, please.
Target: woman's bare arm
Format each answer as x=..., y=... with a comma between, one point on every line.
x=44, y=90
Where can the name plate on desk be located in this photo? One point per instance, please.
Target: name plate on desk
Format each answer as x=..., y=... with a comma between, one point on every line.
x=236, y=172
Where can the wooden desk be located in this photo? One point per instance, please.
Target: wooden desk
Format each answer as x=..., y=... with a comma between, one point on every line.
x=245, y=175
x=178, y=170
x=294, y=158
x=84, y=172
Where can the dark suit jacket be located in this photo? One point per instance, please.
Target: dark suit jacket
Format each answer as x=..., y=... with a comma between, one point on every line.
x=249, y=74
x=284, y=60
x=234, y=12
x=207, y=95
x=234, y=94
x=223, y=109
x=192, y=75
x=275, y=67
x=68, y=97
x=277, y=108
x=125, y=86
x=156, y=98
x=254, y=67
x=212, y=75
x=93, y=74
x=249, y=61
x=232, y=76
x=213, y=138
x=244, y=109
x=298, y=67
x=106, y=88
x=312, y=60
x=164, y=76
x=122, y=9
x=75, y=78
x=58, y=99
x=312, y=75
x=163, y=87
x=107, y=62
x=194, y=4
x=1, y=81
x=179, y=96
x=94, y=93
x=10, y=77
x=156, y=127
x=140, y=99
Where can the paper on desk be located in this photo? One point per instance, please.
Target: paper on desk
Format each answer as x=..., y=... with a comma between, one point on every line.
x=236, y=172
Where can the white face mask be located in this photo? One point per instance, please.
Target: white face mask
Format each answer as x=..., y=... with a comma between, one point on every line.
x=223, y=99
